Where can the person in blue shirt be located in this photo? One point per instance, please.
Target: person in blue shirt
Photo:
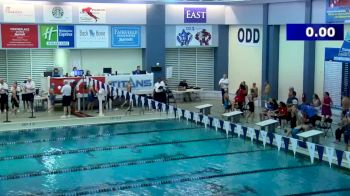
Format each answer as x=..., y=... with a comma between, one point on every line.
x=137, y=71
x=310, y=114
x=56, y=73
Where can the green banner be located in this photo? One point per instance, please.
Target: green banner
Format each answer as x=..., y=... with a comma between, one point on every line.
x=48, y=36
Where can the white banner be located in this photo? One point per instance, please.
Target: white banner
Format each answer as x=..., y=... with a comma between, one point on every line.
x=251, y=133
x=205, y=121
x=142, y=83
x=311, y=148
x=193, y=35
x=57, y=14
x=19, y=13
x=227, y=127
x=263, y=135
x=294, y=145
x=347, y=155
x=92, y=14
x=278, y=141
x=330, y=155
x=239, y=130
x=94, y=36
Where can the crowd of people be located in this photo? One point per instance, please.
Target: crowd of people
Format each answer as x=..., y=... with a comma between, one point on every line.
x=294, y=115
x=12, y=94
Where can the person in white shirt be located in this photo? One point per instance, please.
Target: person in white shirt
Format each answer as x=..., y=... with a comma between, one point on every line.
x=66, y=91
x=159, y=91
x=28, y=94
x=223, y=83
x=3, y=95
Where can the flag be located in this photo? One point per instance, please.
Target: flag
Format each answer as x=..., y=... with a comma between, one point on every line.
x=339, y=154
x=330, y=155
x=294, y=143
x=320, y=150
x=239, y=130
x=216, y=123
x=278, y=141
x=205, y=121
x=251, y=133
x=244, y=132
x=286, y=143
x=263, y=135
x=347, y=155
x=227, y=127
x=257, y=135
x=311, y=148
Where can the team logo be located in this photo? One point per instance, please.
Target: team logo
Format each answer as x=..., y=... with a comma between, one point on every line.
x=184, y=38
x=203, y=37
x=57, y=12
x=89, y=12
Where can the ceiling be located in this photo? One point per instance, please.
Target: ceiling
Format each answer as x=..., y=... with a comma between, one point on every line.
x=212, y=2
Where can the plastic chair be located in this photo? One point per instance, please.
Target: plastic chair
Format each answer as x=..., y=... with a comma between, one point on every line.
x=326, y=126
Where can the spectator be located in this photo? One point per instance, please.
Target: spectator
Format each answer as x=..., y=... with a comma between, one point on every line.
x=74, y=96
x=3, y=96
x=137, y=71
x=267, y=91
x=309, y=114
x=73, y=72
x=251, y=107
x=345, y=103
x=15, y=90
x=227, y=103
x=223, y=83
x=240, y=97
x=52, y=97
x=91, y=98
x=56, y=73
x=183, y=86
x=282, y=113
x=256, y=91
x=159, y=91
x=29, y=90
x=66, y=91
x=326, y=106
x=88, y=73
x=344, y=129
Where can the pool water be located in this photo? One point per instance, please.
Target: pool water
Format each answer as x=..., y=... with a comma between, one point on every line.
x=155, y=158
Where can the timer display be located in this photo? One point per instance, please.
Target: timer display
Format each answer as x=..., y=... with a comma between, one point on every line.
x=312, y=32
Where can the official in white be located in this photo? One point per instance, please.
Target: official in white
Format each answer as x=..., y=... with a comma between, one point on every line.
x=3, y=95
x=223, y=83
x=28, y=92
x=66, y=91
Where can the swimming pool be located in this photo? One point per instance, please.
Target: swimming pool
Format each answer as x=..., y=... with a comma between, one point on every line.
x=155, y=158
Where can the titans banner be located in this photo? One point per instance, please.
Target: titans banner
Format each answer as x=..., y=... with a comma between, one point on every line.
x=337, y=11
x=193, y=35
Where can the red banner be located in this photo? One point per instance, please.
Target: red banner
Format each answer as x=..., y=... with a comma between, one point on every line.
x=59, y=82
x=19, y=36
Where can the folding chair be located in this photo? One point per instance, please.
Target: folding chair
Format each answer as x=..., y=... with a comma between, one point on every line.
x=326, y=126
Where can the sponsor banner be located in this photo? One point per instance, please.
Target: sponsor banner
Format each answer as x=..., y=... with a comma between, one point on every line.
x=196, y=35
x=19, y=36
x=92, y=14
x=59, y=82
x=92, y=36
x=195, y=15
x=143, y=82
x=57, y=14
x=56, y=36
x=19, y=13
x=337, y=11
x=126, y=36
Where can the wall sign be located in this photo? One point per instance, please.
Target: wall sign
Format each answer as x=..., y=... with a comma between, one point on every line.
x=249, y=36
x=57, y=14
x=92, y=36
x=193, y=35
x=53, y=36
x=19, y=13
x=92, y=14
x=126, y=36
x=195, y=15
x=337, y=11
x=19, y=36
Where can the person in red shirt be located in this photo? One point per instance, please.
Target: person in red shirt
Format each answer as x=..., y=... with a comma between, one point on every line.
x=282, y=112
x=240, y=97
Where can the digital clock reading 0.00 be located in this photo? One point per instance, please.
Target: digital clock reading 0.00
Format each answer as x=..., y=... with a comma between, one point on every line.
x=311, y=32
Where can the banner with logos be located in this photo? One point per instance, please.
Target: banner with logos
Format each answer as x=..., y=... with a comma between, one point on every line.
x=195, y=35
x=56, y=36
x=126, y=36
x=19, y=13
x=19, y=36
x=92, y=36
x=139, y=83
x=59, y=82
x=92, y=14
x=337, y=11
x=57, y=14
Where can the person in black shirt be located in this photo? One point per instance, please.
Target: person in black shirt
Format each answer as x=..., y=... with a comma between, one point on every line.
x=183, y=84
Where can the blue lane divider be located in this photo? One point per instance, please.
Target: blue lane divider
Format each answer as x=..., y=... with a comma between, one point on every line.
x=91, y=136
x=103, y=148
x=113, y=188
x=321, y=192
x=119, y=164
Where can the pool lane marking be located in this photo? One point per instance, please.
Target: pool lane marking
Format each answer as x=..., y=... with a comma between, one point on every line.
x=112, y=188
x=321, y=192
x=120, y=164
x=91, y=136
x=103, y=148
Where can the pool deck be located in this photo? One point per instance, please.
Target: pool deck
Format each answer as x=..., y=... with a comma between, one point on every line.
x=44, y=119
